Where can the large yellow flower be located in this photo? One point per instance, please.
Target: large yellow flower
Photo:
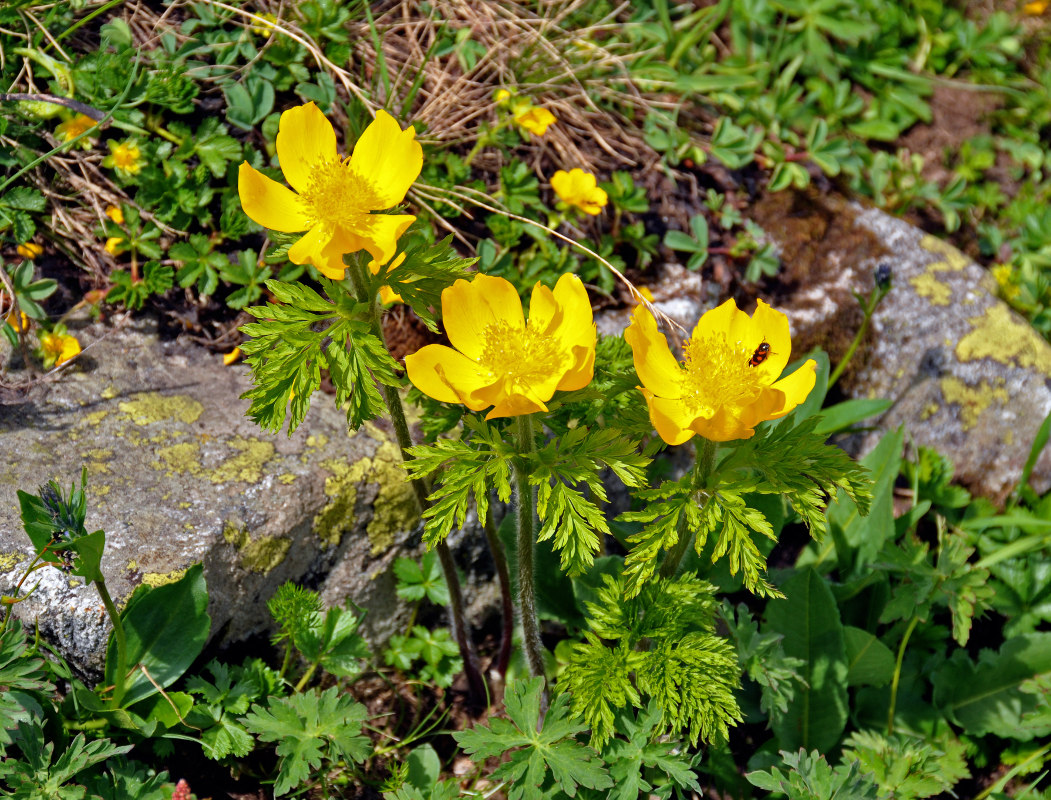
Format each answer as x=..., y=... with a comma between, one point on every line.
x=580, y=189
x=504, y=361
x=728, y=382
x=336, y=196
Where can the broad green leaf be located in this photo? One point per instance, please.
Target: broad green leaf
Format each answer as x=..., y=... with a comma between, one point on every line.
x=869, y=661
x=809, y=620
x=166, y=628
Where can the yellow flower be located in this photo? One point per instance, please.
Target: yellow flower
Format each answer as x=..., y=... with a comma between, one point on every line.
x=646, y=294
x=125, y=157
x=57, y=349
x=504, y=361
x=72, y=128
x=728, y=382
x=501, y=96
x=1036, y=7
x=1004, y=276
x=388, y=295
x=580, y=189
x=114, y=245
x=535, y=119
x=19, y=323
x=29, y=250
x=264, y=26
x=336, y=196
x=116, y=214
x=232, y=357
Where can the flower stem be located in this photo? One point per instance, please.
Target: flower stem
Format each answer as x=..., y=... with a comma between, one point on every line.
x=526, y=543
x=702, y=470
x=868, y=308
x=897, y=674
x=457, y=616
x=121, y=641
x=503, y=574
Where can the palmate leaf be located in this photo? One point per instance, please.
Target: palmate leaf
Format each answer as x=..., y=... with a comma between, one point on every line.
x=571, y=519
x=311, y=728
x=35, y=775
x=665, y=649
x=426, y=270
x=628, y=758
x=303, y=333
x=539, y=759
x=809, y=777
x=469, y=467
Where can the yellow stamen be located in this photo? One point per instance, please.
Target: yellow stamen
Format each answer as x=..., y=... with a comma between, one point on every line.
x=339, y=195
x=716, y=374
x=521, y=356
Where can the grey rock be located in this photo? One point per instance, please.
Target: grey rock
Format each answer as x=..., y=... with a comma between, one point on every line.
x=178, y=475
x=967, y=375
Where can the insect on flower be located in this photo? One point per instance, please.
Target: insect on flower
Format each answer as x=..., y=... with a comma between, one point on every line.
x=761, y=354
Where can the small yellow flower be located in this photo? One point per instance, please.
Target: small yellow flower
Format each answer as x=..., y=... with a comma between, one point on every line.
x=232, y=357
x=116, y=214
x=264, y=26
x=29, y=250
x=501, y=360
x=114, y=245
x=125, y=157
x=579, y=189
x=57, y=349
x=336, y=196
x=501, y=96
x=728, y=383
x=1036, y=7
x=535, y=119
x=72, y=128
x=19, y=323
x=388, y=295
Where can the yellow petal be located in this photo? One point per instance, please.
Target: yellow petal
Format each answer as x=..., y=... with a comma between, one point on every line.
x=442, y=373
x=582, y=371
x=389, y=158
x=378, y=234
x=725, y=320
x=770, y=326
x=388, y=296
x=269, y=203
x=576, y=330
x=657, y=368
x=670, y=418
x=304, y=139
x=516, y=405
x=796, y=387
x=724, y=426
x=469, y=308
x=321, y=249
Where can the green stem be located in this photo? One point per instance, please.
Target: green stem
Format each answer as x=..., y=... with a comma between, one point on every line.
x=702, y=471
x=457, y=615
x=897, y=674
x=526, y=543
x=869, y=309
x=306, y=677
x=122, y=644
x=507, y=605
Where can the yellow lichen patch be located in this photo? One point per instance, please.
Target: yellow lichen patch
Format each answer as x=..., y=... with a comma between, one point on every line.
x=998, y=335
x=973, y=400
x=395, y=509
x=156, y=579
x=100, y=491
x=145, y=408
x=97, y=459
x=8, y=561
x=929, y=411
x=248, y=466
x=954, y=259
x=180, y=458
x=317, y=442
x=262, y=555
x=132, y=565
x=109, y=392
x=287, y=478
x=95, y=417
x=258, y=555
x=927, y=285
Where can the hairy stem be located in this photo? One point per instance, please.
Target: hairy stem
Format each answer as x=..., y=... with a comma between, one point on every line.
x=507, y=605
x=702, y=471
x=122, y=644
x=526, y=544
x=897, y=674
x=457, y=615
